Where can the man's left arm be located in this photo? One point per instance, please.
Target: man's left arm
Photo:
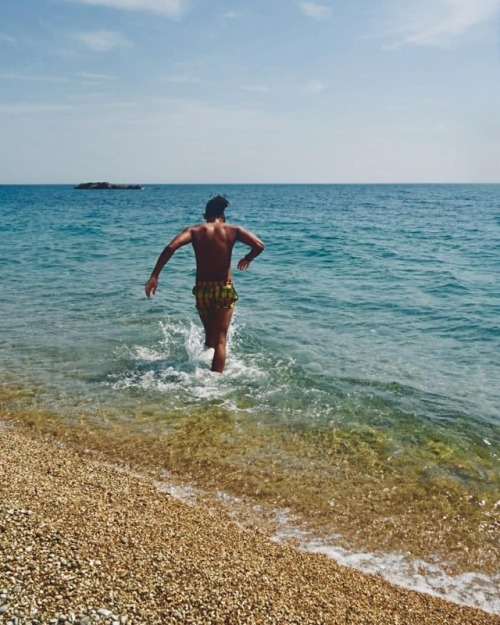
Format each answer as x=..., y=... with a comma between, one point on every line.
x=248, y=238
x=183, y=238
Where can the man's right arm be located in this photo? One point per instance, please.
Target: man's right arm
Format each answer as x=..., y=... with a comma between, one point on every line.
x=183, y=238
x=248, y=238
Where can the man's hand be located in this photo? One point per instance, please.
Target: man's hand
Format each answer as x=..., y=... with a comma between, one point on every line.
x=151, y=286
x=243, y=264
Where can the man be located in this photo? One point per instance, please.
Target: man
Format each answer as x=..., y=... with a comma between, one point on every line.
x=213, y=244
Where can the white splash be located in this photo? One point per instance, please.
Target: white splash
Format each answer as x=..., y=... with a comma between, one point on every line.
x=472, y=589
x=179, y=365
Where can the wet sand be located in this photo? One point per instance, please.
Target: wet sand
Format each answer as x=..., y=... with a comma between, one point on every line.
x=83, y=541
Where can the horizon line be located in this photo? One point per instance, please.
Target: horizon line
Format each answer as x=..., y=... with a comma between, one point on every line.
x=145, y=184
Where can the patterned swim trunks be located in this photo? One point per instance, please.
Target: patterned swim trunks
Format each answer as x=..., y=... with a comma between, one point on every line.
x=212, y=296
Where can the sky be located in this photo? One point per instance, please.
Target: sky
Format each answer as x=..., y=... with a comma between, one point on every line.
x=249, y=91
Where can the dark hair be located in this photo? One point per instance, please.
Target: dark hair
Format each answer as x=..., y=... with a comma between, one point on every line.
x=215, y=206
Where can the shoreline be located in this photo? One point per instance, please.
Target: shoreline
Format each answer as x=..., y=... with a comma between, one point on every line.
x=84, y=539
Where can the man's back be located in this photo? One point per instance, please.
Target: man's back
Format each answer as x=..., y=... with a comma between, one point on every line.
x=213, y=244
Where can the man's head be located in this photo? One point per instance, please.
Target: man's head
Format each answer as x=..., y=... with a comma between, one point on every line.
x=215, y=207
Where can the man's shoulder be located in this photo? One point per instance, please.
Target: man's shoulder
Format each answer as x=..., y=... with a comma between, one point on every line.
x=196, y=226
x=233, y=227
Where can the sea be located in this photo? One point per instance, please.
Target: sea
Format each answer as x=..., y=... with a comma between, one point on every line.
x=359, y=412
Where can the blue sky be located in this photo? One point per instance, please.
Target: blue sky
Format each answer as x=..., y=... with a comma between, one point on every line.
x=259, y=91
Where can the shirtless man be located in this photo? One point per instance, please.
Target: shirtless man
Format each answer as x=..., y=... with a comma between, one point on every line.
x=213, y=244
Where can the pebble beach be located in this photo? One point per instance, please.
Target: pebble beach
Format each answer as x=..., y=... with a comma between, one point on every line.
x=84, y=541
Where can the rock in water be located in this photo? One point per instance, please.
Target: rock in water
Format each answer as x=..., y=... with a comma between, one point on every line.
x=106, y=185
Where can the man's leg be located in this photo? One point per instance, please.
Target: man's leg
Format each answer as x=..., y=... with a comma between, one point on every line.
x=221, y=321
x=207, y=319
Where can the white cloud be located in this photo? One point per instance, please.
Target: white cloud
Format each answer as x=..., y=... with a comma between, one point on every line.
x=37, y=107
x=96, y=76
x=184, y=79
x=314, y=86
x=315, y=11
x=256, y=88
x=102, y=40
x=7, y=38
x=438, y=22
x=171, y=8
x=35, y=78
x=51, y=107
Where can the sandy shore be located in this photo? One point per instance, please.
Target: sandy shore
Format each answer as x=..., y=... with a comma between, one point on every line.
x=83, y=541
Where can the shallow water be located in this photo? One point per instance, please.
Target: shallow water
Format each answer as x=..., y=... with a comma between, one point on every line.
x=361, y=390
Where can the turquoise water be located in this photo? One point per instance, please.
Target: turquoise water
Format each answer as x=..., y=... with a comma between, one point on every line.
x=374, y=308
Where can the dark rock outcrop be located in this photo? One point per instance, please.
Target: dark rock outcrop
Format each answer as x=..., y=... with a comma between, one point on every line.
x=106, y=185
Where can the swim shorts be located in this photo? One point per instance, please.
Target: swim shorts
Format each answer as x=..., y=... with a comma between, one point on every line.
x=212, y=296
